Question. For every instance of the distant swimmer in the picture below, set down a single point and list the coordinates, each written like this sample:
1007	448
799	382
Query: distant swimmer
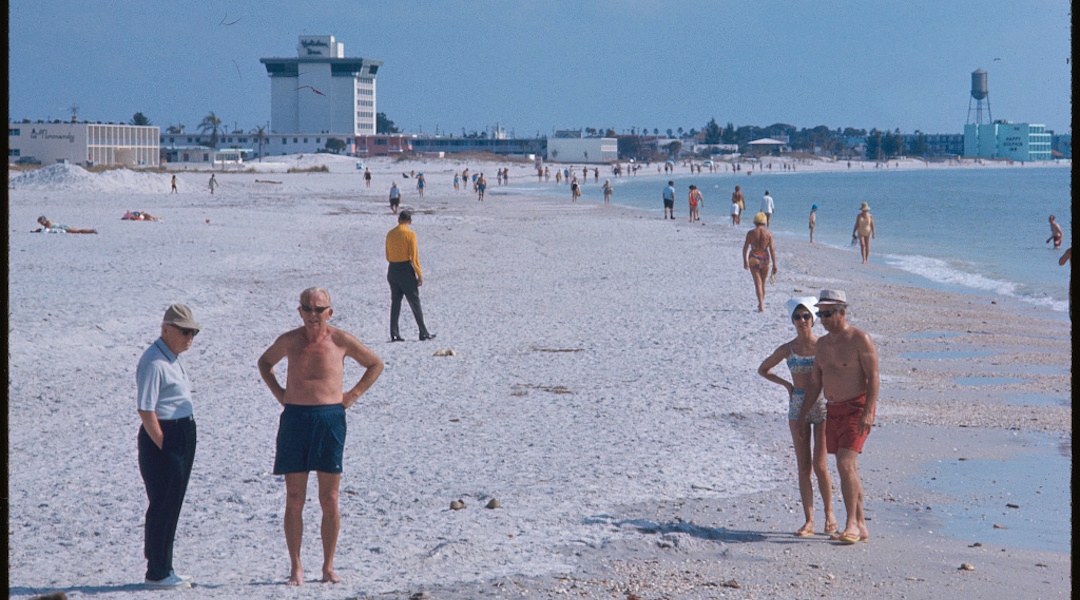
864	229
1055	233
757	252
607	191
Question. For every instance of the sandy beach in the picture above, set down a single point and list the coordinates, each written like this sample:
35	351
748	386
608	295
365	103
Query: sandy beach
603	388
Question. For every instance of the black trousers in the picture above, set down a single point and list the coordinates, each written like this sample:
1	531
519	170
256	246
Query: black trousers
402	279
165	471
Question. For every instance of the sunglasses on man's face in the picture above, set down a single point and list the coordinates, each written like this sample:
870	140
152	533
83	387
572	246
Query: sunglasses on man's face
828	313
184	331
316	309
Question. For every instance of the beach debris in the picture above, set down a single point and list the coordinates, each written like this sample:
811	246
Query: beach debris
730	583
967	567
455	420
494	503
420	596
1041	565
976	545
267	181
996	526
457	505
1012	506
444	352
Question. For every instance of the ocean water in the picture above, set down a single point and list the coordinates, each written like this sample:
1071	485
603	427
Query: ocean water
972	230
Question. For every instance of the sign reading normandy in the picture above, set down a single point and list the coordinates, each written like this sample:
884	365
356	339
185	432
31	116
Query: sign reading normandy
43	134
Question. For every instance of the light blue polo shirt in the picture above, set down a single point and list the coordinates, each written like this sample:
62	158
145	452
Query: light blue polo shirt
162	383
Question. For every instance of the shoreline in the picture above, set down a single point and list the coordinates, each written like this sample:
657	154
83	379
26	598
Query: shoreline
612	328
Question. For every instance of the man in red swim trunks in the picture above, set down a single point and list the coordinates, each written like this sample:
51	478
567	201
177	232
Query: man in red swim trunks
846	367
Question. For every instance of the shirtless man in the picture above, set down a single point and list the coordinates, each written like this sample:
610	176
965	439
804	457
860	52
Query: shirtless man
846	367
311	430
1055	233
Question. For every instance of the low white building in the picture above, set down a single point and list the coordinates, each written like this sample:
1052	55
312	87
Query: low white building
103	144
273	144
582	150
1002	139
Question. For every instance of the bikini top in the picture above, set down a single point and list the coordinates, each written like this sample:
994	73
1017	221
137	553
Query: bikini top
799	365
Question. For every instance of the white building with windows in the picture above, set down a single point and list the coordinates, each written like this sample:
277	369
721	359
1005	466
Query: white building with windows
83	143
1002	139
322	91
601	150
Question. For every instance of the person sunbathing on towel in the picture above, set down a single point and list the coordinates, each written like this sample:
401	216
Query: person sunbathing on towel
48	226
135	215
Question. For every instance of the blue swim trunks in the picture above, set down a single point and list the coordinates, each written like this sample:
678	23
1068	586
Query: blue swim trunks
310	438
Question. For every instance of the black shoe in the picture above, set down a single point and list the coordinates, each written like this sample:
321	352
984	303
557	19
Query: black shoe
397	338
429	336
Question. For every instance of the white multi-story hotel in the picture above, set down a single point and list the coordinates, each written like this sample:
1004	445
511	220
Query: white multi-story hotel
1002	139
321	91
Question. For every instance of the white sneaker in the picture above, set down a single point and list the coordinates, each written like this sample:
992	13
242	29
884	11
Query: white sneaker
172	582
187	578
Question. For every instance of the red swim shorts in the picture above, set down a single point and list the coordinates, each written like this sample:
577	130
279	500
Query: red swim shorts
842	425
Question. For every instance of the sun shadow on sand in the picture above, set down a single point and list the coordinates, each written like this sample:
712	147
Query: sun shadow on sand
84	589
718	534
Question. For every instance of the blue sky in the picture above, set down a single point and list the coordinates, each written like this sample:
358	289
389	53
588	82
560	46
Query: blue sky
537	66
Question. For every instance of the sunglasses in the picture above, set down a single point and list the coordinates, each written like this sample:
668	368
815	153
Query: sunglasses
802	317
316	309
829	313
186	332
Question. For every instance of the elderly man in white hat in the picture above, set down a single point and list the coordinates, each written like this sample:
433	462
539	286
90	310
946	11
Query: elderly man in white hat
846	369
166	441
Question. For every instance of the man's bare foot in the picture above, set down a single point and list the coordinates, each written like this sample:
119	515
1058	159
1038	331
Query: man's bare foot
330	577
296	577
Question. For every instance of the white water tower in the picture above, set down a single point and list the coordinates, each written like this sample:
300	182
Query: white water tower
980	98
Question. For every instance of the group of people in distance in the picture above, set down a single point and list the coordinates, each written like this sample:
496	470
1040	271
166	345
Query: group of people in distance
311	430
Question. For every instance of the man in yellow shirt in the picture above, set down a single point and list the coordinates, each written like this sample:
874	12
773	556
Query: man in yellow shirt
404	275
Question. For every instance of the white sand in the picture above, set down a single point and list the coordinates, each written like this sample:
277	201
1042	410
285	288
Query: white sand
604	361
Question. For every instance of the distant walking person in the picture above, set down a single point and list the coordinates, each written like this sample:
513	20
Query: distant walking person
669	200
213	183
757	252
1055	233
420	183
367	177
846	369
767	208
575	190
395	197
312	429
695	199
737	198
166	442
607	191
173	185
481	186
864	229
404	276
813	221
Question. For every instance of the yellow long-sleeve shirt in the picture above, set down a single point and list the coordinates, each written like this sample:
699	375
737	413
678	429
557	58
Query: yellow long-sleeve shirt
401	246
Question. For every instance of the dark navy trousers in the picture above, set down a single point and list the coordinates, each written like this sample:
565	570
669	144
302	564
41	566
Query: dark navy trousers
165	471
402	280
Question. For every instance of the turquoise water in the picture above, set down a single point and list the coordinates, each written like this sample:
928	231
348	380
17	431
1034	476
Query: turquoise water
963	230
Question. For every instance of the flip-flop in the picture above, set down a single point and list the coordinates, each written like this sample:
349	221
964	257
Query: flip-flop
804	532
846	539
831	527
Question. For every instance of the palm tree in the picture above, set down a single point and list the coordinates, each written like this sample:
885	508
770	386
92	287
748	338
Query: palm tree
260	134
211	123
